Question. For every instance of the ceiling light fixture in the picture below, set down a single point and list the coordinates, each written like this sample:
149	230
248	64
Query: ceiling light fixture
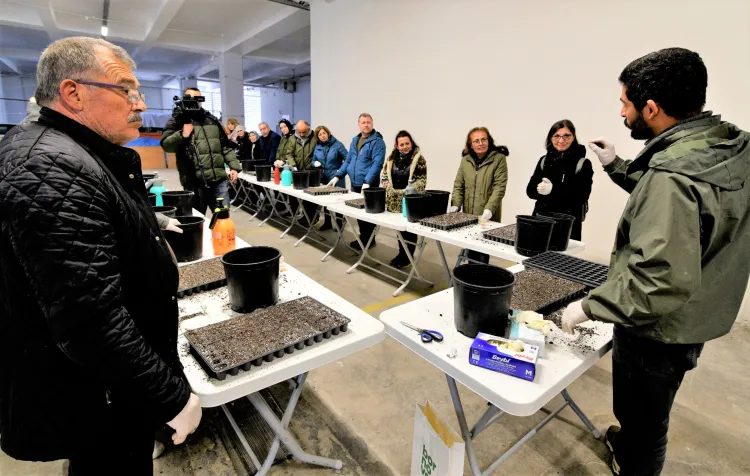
105	18
105	30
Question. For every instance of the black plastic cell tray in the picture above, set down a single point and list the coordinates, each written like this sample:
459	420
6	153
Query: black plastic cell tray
203	284
561	302
488	236
289	348
356	203
201	288
430	222
569	267
312	191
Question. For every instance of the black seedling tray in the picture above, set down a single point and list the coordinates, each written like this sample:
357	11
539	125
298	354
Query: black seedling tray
356	203
298	316
569	267
549	285
461	220
201	276
324	190
491	235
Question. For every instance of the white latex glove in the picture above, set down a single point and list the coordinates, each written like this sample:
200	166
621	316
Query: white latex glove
544	187
294	169
365	186
572	316
187	420
452	209
333	182
278	164
172	226
317	164
486	215
607	154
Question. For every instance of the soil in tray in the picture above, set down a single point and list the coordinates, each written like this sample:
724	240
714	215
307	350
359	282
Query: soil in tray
203	272
324	189
356	203
506	233
249	337
450	219
535	291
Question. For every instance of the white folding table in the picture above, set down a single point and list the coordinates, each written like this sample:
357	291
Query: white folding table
208	308
560	367
393	221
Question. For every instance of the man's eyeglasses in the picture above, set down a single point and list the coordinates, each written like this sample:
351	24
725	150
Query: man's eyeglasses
133	94
483	140
564	137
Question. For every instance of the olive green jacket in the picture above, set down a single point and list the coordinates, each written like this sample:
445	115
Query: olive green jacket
299	155
285	147
476	190
681	259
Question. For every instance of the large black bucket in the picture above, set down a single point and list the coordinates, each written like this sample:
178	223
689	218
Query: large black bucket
374	199
166	211
181	200
188	245
533	234
439	202
417	207
252	277
481	299
301	179
249	165
561	230
263	173
314	178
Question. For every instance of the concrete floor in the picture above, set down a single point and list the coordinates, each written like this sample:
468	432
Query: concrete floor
361	409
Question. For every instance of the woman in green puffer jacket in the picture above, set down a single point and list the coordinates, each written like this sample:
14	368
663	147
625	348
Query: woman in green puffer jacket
481	180
286	146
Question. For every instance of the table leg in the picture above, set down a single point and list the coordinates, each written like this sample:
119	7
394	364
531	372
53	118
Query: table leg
241	436
285	199
361	245
240	188
273	200
445	262
311	225
490	416
464	427
282	434
339	234
573	406
414	260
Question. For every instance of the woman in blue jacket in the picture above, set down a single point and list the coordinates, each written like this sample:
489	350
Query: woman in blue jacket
329	154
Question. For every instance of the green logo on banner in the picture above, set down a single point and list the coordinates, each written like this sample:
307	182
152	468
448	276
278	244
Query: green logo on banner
428	466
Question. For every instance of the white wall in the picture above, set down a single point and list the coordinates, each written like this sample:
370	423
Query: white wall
439	68
276	103
20	89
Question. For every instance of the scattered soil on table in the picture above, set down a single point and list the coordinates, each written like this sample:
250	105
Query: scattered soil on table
245	338
356	203
450	220
200	273
537	291
507	233
324	190
583	344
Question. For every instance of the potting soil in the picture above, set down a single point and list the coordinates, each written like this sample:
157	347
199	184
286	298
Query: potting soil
324	190
505	234
542	292
356	203
450	221
193	277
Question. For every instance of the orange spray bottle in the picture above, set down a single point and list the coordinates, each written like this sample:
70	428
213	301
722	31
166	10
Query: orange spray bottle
222	229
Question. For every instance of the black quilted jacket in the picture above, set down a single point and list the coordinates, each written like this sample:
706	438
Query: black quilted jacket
88	312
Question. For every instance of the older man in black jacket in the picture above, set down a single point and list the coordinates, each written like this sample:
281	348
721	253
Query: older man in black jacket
88	311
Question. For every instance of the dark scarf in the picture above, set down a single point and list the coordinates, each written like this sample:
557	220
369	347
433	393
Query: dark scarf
574	152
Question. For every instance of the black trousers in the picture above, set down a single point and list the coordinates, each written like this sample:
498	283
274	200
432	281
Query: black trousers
646	375
365	228
123	446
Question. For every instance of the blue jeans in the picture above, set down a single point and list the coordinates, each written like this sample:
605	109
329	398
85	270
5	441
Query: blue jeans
646	375
206	196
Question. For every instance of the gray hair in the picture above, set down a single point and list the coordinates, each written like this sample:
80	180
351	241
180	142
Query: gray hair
264	124
303	122
71	58
364	114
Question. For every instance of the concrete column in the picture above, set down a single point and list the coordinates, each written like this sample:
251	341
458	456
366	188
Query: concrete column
232	95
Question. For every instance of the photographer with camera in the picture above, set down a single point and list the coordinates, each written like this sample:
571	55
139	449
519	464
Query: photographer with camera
202	148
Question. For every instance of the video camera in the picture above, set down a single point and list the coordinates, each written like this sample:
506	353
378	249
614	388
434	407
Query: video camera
188	106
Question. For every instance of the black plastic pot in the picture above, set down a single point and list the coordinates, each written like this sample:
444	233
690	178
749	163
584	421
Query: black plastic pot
188	245
314	178
152	199
167	211
252	277
374	199
417	207
301	179
481	299
533	234
181	200
249	165
561	230
263	173
439	202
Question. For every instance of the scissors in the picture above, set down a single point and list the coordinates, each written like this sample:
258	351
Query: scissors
426	335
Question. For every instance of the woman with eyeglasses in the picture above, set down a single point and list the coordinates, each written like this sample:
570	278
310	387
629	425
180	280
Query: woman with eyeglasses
480	183
562	179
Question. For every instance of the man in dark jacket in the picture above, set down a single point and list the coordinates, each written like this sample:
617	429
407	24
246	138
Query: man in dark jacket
203	151
88	311
681	260
269	142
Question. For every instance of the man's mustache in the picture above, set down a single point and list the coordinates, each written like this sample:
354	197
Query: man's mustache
134	118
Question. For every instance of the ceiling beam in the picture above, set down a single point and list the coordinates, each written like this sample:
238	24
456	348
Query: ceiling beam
11	64
161	21
47	16
275	28
254	76
19	53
